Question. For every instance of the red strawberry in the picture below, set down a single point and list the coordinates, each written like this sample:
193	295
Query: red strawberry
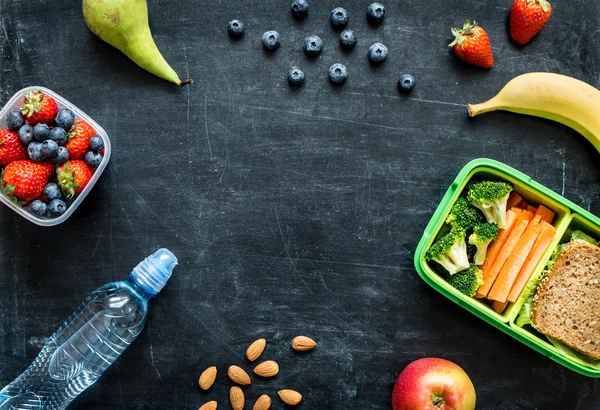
527	18
24	180
38	108
73	177
79	139
11	148
472	44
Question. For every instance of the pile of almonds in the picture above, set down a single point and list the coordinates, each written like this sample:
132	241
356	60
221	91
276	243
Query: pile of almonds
265	369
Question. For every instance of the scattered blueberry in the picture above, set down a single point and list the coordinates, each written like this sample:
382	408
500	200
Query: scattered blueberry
93	159
96	143
15	120
338	73
235	28
296	76
38	208
378	53
270	40
26	134
57	207
65	118
49	149
299	8
313	45
58	135
41	132
347	39
61	157
52	191
406	83
34	150
375	13
339	17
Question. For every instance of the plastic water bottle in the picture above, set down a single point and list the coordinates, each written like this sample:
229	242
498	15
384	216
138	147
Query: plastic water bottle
90	340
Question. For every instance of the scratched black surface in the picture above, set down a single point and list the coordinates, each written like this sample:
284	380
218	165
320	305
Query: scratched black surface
291	211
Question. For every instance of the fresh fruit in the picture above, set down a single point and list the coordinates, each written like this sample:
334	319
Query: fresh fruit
375	13
303	344
93	159
96	143
49	149
25	180
15	120
271	40
73	177
57	207
406	83
313	45
262	403
61	157
41	132
339	17
238	376
38	208
64	118
235	28
34	151
38	108
552	96
124	25
290	397
338	73
472	45
58	135
299	9
11	148
295	76
269	368
347	39
207	378
377	53
236	398
52	191
211	405
26	134
432	383
528	18
79	139
256	349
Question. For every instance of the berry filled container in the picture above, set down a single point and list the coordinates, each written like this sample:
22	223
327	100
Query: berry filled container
567	217
51	155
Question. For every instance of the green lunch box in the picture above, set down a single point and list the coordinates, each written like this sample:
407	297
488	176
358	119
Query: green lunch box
569	217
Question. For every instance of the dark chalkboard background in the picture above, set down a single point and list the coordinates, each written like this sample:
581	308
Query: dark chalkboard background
291	211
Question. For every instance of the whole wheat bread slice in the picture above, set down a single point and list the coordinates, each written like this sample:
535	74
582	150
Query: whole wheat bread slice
567	302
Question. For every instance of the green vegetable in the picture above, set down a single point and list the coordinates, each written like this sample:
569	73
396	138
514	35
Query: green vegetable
463	215
468	281
490	197
567	351
482	236
450	251
580	236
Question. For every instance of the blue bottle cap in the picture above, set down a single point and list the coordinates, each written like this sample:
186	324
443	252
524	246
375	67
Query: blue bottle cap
153	272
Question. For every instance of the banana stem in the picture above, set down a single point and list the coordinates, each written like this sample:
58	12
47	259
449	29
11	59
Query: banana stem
186	82
482	108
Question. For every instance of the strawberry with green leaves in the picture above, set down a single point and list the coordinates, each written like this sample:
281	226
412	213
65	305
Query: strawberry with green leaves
79	139
73	177
24	180
472	45
39	108
11	148
527	18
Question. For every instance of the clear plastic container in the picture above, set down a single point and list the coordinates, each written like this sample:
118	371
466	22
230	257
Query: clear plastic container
13	104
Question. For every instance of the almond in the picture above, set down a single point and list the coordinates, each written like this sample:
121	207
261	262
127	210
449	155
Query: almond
267	369
207	378
263	403
238	376
211	405
236	398
303	344
290	397
256	349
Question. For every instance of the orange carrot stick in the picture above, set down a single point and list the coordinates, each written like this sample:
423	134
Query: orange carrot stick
499	307
532	209
546	214
513	200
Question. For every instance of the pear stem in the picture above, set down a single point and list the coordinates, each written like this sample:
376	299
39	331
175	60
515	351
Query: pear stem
186	82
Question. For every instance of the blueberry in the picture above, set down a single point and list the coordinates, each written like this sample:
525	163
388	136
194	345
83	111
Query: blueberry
15	120
41	132
93	159
96	143
378	53
375	13
52	191
295	76
299	9
406	83
235	28
65	118
58	135
347	39
338	73
25	134
339	17
34	150
57	207
313	45
61	157
38	208
270	40
49	149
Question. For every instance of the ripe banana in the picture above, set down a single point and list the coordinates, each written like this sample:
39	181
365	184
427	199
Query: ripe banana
552	96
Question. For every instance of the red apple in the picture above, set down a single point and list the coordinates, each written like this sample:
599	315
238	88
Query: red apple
433	384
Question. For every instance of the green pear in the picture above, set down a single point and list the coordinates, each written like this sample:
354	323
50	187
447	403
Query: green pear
124	24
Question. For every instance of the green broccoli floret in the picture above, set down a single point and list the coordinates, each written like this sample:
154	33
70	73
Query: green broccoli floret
490	197
450	251
463	215
471	250
482	236
468	281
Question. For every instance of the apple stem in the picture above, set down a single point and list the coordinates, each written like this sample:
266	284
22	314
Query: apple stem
438	401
